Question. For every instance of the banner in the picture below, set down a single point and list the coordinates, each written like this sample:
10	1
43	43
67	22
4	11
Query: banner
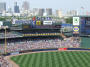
38	22
34	18
14	53
62	49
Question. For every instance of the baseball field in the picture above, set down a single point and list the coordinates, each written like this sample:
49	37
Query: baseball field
54	59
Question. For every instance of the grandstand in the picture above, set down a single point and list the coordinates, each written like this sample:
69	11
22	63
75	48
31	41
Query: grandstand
32	36
22	32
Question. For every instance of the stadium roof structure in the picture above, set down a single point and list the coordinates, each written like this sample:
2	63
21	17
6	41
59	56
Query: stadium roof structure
82	16
10	35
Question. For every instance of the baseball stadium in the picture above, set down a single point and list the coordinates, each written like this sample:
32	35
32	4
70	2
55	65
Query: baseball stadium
45	43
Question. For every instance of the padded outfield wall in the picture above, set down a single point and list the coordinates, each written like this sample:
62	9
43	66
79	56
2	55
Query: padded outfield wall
85	42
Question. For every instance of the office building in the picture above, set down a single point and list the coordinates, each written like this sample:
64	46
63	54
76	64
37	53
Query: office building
72	13
16	8
41	12
35	11
25	5
2	7
49	11
59	13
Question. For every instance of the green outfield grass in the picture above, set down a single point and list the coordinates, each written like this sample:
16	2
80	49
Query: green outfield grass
54	59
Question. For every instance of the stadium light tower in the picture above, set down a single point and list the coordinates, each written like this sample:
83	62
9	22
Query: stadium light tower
5	42
5	28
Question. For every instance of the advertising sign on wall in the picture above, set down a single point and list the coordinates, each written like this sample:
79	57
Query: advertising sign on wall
76	20
75	29
47	22
38	22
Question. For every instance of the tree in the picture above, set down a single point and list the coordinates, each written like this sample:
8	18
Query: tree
69	20
2	19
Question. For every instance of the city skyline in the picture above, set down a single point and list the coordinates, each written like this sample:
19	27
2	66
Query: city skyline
56	4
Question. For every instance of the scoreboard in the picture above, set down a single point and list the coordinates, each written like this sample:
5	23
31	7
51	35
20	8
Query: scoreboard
85	25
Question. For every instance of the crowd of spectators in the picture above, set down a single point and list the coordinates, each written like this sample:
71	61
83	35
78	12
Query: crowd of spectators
28	44
4	62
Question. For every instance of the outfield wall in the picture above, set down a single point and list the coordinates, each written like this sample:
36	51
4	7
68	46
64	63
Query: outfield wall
53	49
85	42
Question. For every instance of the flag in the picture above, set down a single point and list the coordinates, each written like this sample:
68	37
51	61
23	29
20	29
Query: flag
34	18
82	7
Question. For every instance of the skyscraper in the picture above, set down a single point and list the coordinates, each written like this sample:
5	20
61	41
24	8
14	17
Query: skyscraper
72	13
25	5
41	12
59	13
2	7
9	9
16	8
49	11
35	11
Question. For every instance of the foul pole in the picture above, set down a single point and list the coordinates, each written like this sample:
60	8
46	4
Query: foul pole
5	42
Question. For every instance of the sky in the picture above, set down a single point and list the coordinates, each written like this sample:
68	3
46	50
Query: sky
64	5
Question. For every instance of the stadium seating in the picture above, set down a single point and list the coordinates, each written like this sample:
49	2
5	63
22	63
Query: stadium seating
28	44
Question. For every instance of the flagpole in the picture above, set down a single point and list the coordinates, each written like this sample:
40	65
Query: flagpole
82	12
